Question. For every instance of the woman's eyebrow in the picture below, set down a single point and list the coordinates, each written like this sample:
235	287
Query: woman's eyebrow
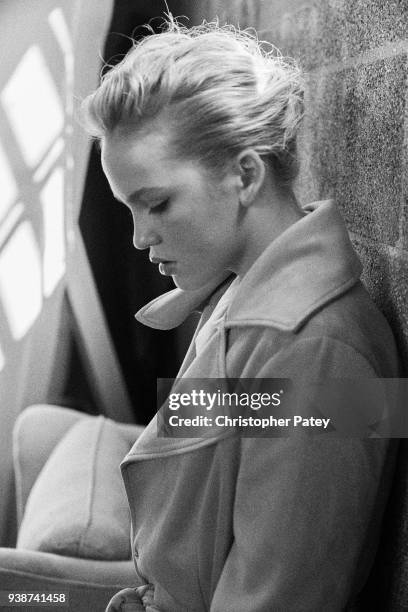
143	192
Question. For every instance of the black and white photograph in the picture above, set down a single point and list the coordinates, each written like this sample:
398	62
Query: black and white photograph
204	305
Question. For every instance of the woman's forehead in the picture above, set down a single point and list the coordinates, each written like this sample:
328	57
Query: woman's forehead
132	139
133	160
127	151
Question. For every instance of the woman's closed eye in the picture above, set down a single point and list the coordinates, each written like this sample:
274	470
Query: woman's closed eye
159	207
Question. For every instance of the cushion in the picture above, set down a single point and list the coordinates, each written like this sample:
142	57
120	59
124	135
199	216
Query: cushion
77	506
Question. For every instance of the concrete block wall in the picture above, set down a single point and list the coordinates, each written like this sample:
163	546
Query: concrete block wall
354	141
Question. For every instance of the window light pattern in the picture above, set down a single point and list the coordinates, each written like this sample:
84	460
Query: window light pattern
33	106
52	201
20	280
8	184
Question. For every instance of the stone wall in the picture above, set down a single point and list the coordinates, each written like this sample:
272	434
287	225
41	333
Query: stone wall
354	138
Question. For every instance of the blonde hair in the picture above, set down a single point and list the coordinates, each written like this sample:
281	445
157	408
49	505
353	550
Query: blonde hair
225	91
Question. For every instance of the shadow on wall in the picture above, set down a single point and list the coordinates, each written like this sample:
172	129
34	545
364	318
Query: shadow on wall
32	229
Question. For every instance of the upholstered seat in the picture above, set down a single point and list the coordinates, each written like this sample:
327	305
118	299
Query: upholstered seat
42	435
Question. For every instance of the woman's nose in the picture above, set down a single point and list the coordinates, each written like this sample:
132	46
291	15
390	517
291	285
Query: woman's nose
144	234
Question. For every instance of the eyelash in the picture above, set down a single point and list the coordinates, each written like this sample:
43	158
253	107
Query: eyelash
158	208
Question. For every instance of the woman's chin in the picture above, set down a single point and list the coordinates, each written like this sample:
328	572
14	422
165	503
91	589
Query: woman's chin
195	282
189	283
185	283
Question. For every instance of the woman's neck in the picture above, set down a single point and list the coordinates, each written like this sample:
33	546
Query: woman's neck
267	218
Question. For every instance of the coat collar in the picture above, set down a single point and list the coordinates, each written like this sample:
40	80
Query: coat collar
308	265
172	308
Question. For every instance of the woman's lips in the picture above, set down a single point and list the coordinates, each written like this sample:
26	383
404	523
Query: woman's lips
167	268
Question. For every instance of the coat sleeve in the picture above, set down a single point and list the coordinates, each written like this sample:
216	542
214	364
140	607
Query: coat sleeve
307	509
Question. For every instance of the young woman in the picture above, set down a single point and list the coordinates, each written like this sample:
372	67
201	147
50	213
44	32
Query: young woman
198	136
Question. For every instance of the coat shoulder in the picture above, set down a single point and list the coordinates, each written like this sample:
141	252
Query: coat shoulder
348	330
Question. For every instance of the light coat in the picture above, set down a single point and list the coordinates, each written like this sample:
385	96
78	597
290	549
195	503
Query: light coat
233	524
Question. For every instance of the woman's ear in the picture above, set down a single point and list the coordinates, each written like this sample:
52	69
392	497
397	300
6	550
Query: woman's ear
251	169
